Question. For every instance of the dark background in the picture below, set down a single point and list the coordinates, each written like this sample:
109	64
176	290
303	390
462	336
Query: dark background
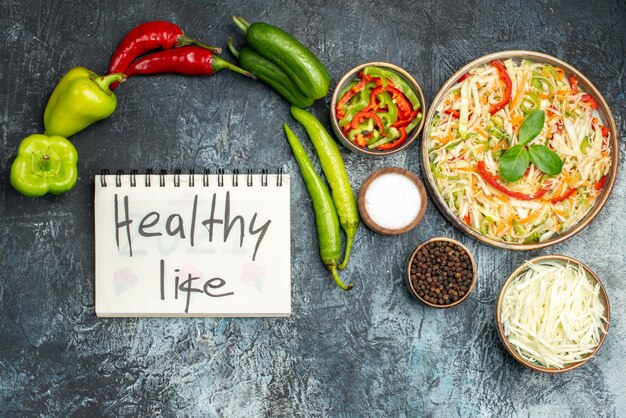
371	352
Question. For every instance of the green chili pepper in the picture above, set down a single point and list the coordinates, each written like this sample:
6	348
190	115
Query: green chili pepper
44	164
300	64
326	218
80	99
271	74
398	81
335	172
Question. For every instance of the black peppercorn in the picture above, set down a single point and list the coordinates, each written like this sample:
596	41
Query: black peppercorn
441	272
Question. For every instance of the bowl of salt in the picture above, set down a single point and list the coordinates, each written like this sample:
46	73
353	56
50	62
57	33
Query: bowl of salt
392	201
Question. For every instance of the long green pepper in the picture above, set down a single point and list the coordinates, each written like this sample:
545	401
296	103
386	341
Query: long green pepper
335	172
326	218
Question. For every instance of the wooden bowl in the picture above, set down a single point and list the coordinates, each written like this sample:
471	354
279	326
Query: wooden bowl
472	284
371	223
603	296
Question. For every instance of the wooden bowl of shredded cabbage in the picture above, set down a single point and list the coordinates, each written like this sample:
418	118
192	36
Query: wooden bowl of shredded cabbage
553	314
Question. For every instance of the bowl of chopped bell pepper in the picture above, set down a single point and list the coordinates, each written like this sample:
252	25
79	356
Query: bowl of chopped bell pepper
377	109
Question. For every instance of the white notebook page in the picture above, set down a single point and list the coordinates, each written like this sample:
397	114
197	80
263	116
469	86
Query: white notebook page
201	250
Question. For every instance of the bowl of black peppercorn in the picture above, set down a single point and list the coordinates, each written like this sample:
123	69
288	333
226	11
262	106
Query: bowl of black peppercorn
441	273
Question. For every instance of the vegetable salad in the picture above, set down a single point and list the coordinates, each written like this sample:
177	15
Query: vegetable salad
479	119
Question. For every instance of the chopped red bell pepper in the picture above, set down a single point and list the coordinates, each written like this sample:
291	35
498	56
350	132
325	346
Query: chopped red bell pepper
454	113
589	101
404	106
564	196
467	219
605	131
365	114
573	83
506	80
493	181
600	184
463	77
406	122
396	143
373	105
350	94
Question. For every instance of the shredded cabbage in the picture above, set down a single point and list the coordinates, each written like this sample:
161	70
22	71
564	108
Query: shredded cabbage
464	132
552	314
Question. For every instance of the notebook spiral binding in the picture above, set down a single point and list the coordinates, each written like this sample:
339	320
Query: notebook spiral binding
178	173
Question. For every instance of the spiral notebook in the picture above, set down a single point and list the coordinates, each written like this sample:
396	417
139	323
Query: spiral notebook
211	244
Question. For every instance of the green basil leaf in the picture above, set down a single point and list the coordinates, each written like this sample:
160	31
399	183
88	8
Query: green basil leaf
531	126
514	163
545	159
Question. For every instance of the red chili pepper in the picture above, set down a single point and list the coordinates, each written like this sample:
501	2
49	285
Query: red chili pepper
350	94
366	114
493	181
187	60
573	83
600	184
605	131
454	113
467	219
564	196
504	77
589	101
396	143
148	37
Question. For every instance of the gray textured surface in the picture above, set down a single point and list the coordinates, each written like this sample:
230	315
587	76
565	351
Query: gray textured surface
371	352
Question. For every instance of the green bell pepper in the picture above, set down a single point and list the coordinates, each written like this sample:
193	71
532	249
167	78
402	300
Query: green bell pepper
44	164
81	98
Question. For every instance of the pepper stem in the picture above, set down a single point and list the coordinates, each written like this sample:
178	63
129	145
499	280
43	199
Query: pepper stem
219	63
106	80
184	40
232	48
45	164
337	279
346	255
242	23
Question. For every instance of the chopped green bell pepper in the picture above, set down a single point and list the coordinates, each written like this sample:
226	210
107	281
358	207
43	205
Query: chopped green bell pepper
44	164
397	81
81	98
391	115
357	103
530	103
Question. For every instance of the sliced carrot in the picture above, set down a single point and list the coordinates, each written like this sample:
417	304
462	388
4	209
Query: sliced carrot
533	215
482	133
